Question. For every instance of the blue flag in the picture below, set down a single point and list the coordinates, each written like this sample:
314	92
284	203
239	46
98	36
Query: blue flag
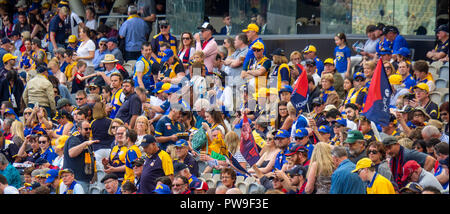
376	108
300	95
249	149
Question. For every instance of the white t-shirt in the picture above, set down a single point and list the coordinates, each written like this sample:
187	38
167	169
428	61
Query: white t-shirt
10	190
78	189
91	24
84	49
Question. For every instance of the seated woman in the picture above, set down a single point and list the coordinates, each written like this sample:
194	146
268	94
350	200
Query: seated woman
65	124
267	156
329	95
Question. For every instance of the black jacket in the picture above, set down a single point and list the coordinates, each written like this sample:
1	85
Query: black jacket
17	90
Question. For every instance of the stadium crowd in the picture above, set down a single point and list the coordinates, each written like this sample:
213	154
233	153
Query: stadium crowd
87	109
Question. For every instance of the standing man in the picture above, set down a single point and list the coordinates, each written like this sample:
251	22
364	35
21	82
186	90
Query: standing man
40	90
135	31
57	29
157	164
79	155
117	97
209	45
147	10
132	107
377	184
146	68
163	37
343	181
253	37
310	52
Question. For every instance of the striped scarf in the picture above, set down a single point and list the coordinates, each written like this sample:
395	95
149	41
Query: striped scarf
326	92
396	165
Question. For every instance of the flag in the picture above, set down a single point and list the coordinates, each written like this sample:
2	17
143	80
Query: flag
248	147
300	95
376	108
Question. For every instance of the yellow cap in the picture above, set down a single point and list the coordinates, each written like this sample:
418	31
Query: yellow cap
72	39
8	57
166	86
422	86
252	27
362	164
329	60
395	79
258	45
61	141
310	48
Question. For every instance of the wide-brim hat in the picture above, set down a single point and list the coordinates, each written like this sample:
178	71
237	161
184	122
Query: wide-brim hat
109	58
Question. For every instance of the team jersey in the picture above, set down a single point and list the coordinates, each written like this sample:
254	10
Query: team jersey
132	154
380	185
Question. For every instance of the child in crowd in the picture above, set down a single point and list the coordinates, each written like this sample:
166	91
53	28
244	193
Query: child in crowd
342	55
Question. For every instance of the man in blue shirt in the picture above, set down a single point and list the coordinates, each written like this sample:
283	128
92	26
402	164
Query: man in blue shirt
252	35
134	30
343	181
282	142
57	30
168	126
100	54
310	52
393	35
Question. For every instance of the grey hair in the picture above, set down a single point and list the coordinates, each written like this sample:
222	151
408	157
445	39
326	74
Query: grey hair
431	131
339	152
132	10
3	159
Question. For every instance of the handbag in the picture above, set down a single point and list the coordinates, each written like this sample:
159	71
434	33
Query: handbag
199	139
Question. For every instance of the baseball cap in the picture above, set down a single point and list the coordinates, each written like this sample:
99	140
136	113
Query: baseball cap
389	28
258	45
341	121
325	129
162	189
138	162
278	52
5	40
310	62
296	148
109	176
103	39
404	51
181	143
385	49
8	57
309	48
297	170
301	132
443	27
52	174
281	133
286	88
329	61
163	22
62	102
316	102
66	170
113	39
10	111
199	185
362	164
61	141
177	167
62	113
412	186
73	38
147	140
359	74
444	162
166	55
40	161
395	79
206	26
252	27
422	86
409	168
389	140
353	136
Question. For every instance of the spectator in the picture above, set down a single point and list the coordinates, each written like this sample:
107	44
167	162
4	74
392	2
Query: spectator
329	94
171	69
133	153
132	107
228	177
413	172
378	184
423	100
235	61
128	188
158	163
86	50
209	45
227	29
343	181
9	62
310	52
9	172
11	89
338	83
282	143
252	31
342	55
320	170
186	49
112	185
146	68
311	70
430	131
138	165
91	21
420	68
69	185
183	156
113	48
180	185
164	37
443	112
392	34
100	53
147	11
377	154
167	127
134	30
40	90
400	155
441	49
5	188
257	67
57	30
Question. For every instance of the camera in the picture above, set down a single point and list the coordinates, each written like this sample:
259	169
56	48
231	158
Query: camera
183	135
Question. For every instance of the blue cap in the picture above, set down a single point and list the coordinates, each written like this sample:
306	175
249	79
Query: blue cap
301	122
385	49
113	39
359	74
403	51
301	132
52	174
103	39
341	121
147	140
172	89
287	88
166	55
325	129
11	111
162	189
281	133
158	87
181	143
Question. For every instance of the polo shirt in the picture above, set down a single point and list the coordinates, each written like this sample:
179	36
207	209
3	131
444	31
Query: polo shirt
155	166
166	127
131	106
134	30
250	55
280	159
57	25
409	82
343	181
49	154
380	185
428	179
319	66
191	163
132	154
442	46
100	132
399	42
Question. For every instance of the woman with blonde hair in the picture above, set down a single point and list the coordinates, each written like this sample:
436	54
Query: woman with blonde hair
100	132
59	149
267	155
320	170
142	128
17	129
389	68
329	94
55	68
116	122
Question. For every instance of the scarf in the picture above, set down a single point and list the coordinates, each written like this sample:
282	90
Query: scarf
69	190
396	165
326	92
185	58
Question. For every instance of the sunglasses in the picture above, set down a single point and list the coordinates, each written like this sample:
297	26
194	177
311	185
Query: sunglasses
359	171
257	50
80	98
114	127
42	142
359	80
187	38
30	113
372	152
163	26
87	129
270	138
444	113
178	185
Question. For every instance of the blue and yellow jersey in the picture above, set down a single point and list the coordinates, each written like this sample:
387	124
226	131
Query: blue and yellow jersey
409	82
35	55
255	65
132	154
60	129
160	39
279	74
280	159
49	154
441	46
352	95
166	127
26	61
380	185
171	71
155	166
69	70
117	158
117	100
